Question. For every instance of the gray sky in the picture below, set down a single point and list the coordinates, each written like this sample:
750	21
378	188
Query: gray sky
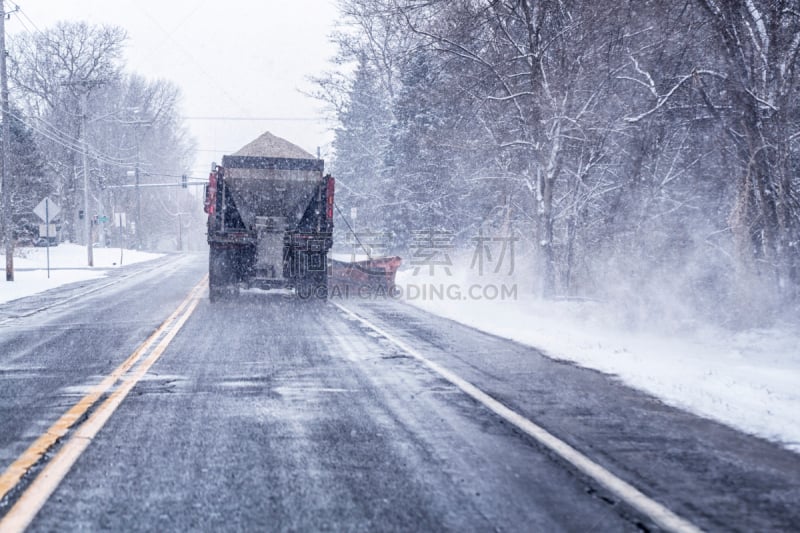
237	58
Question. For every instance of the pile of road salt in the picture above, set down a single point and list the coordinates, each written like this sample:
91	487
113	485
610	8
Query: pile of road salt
269	145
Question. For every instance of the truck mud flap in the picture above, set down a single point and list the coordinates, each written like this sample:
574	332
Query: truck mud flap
222	278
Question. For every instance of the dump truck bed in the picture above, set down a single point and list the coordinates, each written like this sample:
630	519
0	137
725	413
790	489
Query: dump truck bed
272	187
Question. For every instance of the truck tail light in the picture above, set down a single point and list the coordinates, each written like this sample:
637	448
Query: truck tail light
329	191
210	203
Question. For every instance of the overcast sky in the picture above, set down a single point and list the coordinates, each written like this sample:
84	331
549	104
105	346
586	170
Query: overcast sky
233	58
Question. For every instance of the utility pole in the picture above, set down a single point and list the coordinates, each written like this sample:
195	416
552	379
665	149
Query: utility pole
5	177
87	220
137	176
87	86
138	198
136	173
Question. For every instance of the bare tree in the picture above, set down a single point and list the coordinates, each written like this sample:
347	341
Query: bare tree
131	123
607	132
50	71
760	45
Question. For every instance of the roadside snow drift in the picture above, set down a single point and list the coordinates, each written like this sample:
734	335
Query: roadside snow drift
68	263
748	379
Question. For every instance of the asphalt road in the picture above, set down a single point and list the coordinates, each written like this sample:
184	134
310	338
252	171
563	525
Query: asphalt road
268	413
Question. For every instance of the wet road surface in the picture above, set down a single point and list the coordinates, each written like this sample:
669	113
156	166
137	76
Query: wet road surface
268	413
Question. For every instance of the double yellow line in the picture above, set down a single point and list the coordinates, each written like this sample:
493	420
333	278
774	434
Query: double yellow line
46	482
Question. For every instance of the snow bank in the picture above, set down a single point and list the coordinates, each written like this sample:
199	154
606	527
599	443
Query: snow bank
747	379
67	264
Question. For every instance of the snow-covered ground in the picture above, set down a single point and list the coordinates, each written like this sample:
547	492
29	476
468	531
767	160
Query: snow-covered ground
68	263
746	379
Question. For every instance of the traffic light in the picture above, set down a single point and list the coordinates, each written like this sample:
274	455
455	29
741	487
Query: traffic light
80	214
184	184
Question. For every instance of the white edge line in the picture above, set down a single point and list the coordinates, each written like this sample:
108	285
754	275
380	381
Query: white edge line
658	513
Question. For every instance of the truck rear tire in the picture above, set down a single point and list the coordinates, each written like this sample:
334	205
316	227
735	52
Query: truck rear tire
315	286
312	288
321	286
221	274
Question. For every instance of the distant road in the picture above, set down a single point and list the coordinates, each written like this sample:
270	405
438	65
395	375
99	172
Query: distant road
141	406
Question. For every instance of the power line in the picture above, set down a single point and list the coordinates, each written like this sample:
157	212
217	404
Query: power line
276	119
201	66
24	25
24	14
102	158
65	141
70	143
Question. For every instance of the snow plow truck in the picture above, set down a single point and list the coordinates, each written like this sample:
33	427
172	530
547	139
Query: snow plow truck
270	220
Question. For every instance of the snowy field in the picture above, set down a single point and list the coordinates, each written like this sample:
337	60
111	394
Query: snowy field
68	263
746	379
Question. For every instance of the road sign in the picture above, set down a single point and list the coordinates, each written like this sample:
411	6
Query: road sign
51	231
120	220
102	219
47	210
47	207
